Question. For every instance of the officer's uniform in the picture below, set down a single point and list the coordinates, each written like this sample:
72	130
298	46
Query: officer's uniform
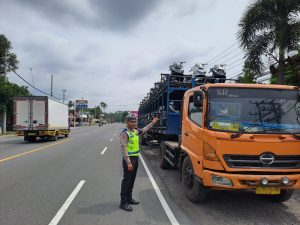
129	140
133	149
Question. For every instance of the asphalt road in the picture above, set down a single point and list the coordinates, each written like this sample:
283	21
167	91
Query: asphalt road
76	181
37	179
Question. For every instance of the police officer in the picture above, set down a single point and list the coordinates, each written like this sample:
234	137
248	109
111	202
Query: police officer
129	140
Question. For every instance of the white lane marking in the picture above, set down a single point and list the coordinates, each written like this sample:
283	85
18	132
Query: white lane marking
161	198
104	150
67	203
111	139
114	135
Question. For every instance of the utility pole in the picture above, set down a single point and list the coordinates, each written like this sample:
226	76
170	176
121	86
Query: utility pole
74	123
51	85
31	76
64	95
4	110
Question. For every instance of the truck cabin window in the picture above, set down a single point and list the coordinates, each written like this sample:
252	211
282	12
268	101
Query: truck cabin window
195	113
253	110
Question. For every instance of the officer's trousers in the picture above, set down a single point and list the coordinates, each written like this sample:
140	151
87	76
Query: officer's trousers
128	179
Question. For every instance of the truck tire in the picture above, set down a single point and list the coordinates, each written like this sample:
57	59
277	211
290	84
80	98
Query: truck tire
30	139
66	135
193	188
143	140
163	163
55	138
282	197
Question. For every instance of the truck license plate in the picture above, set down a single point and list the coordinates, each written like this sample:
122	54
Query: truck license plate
30	134
268	191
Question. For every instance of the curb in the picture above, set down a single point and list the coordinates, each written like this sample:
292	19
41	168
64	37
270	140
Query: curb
7	135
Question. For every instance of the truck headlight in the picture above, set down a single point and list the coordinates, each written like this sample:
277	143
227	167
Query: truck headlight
264	181
285	180
221	180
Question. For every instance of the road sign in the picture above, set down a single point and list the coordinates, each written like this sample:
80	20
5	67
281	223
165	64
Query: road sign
81	104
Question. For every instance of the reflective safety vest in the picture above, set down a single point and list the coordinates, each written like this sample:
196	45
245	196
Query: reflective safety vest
133	146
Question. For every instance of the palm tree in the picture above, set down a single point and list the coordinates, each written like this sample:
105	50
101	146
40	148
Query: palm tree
272	28
103	105
70	104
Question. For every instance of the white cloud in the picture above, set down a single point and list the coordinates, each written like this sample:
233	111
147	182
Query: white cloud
114	56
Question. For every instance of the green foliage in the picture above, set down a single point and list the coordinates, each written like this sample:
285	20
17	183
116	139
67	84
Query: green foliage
5	52
9	90
292	71
248	74
267	27
70	104
125	113
103	105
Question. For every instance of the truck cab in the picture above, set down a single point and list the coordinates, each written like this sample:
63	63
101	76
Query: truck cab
240	136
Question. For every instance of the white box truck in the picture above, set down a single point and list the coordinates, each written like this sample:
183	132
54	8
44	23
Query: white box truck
40	116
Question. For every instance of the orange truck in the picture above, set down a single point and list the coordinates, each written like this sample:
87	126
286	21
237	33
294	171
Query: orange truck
237	137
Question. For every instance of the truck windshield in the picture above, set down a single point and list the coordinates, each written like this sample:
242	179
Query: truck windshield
253	110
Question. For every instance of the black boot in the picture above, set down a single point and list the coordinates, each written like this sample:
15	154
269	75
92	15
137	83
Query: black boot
126	207
133	202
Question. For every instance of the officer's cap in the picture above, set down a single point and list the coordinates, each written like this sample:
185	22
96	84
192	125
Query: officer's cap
130	118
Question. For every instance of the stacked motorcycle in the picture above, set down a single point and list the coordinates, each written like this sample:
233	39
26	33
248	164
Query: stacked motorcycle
218	73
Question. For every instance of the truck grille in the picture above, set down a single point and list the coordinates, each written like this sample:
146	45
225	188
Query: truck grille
253	161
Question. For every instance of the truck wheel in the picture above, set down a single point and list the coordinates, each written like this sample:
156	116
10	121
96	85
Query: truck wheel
30	139
282	197
163	163
143	141
193	189
66	135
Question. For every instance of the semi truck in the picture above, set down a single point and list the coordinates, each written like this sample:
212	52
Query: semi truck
40	117
226	135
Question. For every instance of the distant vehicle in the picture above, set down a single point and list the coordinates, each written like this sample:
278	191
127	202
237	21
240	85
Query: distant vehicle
40	116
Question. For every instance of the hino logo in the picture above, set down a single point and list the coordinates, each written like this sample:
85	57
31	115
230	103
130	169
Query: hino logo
267	158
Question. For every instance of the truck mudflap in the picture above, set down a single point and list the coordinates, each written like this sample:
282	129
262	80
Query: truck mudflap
216	180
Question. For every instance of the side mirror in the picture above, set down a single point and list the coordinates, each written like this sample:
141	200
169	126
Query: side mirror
198	98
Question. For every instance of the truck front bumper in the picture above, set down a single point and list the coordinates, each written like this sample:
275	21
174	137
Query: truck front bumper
219	180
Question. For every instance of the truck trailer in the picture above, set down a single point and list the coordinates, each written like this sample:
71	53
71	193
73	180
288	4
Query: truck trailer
226	135
40	116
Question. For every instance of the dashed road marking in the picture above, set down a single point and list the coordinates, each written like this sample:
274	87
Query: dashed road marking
104	150
111	139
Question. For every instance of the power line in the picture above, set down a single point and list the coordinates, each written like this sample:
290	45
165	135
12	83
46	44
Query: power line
39	90
235	66
230	52
217	56
228	60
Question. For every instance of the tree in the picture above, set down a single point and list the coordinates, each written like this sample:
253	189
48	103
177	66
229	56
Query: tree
6	56
70	104
125	113
269	27
292	71
103	105
248	74
9	90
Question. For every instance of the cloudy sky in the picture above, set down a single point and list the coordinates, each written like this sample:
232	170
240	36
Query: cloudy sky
114	50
